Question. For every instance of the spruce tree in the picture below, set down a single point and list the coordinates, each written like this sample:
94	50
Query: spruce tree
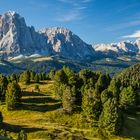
91	104
32	75
68	99
25	77
51	74
13	96
103	82
1	117
36	78
3	86
110	118
128	98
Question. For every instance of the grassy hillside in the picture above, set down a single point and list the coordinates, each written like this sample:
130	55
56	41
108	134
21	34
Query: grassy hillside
41	117
45	64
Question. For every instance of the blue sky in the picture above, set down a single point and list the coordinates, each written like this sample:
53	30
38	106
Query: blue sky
95	21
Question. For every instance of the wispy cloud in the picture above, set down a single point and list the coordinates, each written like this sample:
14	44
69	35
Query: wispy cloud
76	11
69	17
128	7
123	25
86	1
136	34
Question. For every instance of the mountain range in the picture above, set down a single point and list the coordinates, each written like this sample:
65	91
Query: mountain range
18	40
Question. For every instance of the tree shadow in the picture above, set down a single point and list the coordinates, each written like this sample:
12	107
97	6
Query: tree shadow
39	108
41	82
41	100
18	128
131	126
26	93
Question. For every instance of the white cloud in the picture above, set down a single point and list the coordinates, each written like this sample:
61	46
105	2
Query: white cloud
69	17
134	35
123	25
76	12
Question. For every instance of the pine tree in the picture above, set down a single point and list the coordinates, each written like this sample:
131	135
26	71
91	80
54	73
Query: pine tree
110	118
25	77
114	87
128	98
68	99
1	117
32	75
36	78
103	82
13	96
14	77
91	104
3	86
105	95
51	74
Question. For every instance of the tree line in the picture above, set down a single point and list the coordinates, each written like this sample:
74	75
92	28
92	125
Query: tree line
100	97
94	94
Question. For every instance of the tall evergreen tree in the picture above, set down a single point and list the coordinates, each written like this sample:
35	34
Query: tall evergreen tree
1	117
128	98
13	96
25	77
32	75
51	74
36	78
68	99
91	104
110	118
103	82
3	86
114	87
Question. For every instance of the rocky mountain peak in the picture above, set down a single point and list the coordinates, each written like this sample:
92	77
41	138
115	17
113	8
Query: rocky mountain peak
16	38
123	47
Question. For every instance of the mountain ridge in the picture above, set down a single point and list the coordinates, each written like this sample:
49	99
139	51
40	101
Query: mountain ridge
18	39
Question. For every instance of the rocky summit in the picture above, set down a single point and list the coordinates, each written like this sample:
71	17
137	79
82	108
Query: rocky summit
18	39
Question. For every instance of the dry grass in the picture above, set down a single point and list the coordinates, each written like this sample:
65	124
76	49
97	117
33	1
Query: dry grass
41	59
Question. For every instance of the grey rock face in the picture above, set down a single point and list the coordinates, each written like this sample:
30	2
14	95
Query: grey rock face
67	44
16	38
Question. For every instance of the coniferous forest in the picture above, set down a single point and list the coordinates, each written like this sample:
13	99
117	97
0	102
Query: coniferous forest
64	104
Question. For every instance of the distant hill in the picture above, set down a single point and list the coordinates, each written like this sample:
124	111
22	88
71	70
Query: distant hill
112	66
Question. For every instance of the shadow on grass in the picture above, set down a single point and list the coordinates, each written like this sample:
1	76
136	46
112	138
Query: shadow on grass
39	100
32	94
18	128
41	82
131	126
39	108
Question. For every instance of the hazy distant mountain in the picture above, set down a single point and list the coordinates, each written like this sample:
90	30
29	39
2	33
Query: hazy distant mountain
118	49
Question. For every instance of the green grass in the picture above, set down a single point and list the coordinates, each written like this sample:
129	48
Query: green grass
40	116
